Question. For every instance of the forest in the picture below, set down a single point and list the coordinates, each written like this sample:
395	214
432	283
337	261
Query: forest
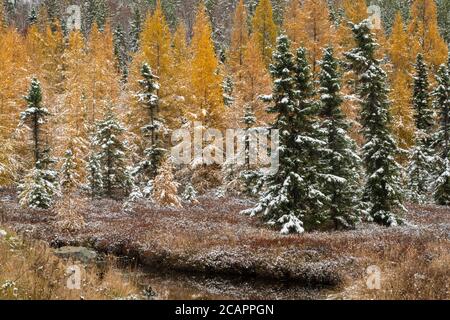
348	101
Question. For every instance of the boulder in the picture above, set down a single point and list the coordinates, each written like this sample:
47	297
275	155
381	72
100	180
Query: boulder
81	254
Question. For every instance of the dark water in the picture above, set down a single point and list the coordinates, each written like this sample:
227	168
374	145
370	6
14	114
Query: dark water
179	286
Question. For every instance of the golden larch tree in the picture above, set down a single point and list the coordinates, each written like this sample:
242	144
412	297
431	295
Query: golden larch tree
239	39
424	31
265	29
13	83
316	30
402	61
206	81
102	77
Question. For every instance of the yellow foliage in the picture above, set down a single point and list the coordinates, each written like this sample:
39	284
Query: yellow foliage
13	62
312	29
401	94
424	32
206	81
239	38
265	29
254	81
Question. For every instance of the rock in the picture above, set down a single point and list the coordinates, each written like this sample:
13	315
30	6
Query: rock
81	254
3	233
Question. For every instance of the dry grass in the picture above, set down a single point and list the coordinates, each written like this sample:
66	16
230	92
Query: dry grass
212	237
29	270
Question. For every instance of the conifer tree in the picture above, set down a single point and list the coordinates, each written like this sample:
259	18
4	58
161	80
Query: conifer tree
341	162
68	174
206	82
39	186
265	29
292	194
165	188
383	190
424	31
401	110
442	137
94	174
121	51
154	127
421	158
135	30
112	154
239	38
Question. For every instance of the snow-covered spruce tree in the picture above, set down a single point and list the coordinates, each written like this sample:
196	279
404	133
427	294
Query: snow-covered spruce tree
121	51
421	158
94	174
150	100
39	185
342	165
442	138
190	194
112	155
383	189
165	188
228	89
310	145
135	30
290	194
69	178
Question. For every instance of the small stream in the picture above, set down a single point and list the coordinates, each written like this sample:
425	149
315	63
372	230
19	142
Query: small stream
181	286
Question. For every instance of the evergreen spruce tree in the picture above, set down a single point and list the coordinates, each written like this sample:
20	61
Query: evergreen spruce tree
442	137
153	130
250	176
112	155
421	158
33	16
341	163
383	190
135	30
94	174
121	51
68	174
292	194
228	88
39	186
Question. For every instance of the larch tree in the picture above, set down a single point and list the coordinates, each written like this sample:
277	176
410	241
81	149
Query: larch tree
265	29
206	82
38	187
165	188
101	75
342	165
383	188
421	158
315	30
253	82
424	32
239	39
401	111
442	137
13	58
